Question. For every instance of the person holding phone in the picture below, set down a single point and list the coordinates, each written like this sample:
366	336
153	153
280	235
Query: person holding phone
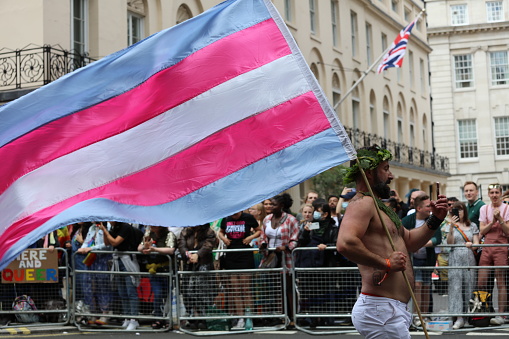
461	282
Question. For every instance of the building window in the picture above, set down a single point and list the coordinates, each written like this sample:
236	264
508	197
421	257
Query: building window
289	10
494	11
467	138
502	135
384	42
334	20
411	68
336	91
314	70
134	28
79	26
459	15
463	72
354	32
421	75
369	43
499	68
356	108
183	14
312	15
387	120
394	5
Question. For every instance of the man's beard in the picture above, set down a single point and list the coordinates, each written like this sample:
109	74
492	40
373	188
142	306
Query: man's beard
381	189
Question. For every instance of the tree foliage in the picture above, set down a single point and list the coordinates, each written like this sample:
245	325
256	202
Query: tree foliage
329	182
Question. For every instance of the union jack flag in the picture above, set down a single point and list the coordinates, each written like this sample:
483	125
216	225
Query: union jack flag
394	57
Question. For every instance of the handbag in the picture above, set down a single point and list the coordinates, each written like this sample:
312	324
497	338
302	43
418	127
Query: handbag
477	254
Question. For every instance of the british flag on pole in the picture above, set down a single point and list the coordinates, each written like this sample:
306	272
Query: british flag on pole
396	53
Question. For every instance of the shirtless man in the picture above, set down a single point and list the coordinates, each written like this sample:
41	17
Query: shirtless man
381	309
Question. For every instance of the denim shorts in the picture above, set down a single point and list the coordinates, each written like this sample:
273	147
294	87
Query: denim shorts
423	276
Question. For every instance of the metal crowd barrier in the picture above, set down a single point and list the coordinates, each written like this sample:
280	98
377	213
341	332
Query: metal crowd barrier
98	305
323	296
259	288
50	299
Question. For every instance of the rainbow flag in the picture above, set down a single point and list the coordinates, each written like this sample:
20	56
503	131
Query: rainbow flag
192	124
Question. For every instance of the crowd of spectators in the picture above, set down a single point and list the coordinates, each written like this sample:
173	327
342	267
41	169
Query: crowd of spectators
274	231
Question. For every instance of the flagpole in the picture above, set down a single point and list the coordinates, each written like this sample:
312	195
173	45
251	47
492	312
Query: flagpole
366	72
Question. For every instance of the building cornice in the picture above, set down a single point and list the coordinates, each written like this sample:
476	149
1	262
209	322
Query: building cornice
469	29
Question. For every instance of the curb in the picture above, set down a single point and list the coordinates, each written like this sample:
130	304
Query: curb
38	330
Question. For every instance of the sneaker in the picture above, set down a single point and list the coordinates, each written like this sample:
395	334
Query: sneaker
459	323
417	322
240	325
133	324
102	321
498	320
126	323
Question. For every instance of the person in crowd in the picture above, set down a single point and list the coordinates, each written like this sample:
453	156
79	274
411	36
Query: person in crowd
381	309
424	256
461	282
494	219
344	199
306	211
415	193
442	252
258	212
474	203
280	231
195	245
123	237
159	244
237	231
76	259
308	199
325	235
333	200
401	207
96	292
267	206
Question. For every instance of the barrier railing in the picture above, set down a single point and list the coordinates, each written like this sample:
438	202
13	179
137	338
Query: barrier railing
47	291
107	299
212	309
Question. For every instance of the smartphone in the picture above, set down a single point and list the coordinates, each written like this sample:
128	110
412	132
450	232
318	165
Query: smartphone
393	193
314	226
455	212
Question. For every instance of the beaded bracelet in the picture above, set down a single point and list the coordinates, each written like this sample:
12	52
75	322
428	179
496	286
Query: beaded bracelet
434	222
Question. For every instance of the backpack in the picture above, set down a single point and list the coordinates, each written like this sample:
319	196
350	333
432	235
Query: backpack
480	303
25	303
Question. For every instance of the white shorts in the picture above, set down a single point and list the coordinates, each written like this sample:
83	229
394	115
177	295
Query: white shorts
381	318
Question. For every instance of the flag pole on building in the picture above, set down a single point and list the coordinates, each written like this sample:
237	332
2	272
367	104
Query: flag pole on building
392	56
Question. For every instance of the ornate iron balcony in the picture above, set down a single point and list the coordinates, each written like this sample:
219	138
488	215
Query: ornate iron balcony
405	155
37	66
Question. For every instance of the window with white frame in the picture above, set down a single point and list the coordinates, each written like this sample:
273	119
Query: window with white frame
354	32
369	43
334	22
394	5
289	10
411	68
421	75
463	71
336	90
459	15
384	42
467	131
79	26
494	11
502	135
387	120
499	68
134	28
407	14
312	16
356	108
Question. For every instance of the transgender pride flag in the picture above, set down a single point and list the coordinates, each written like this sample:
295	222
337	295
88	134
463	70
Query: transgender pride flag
190	125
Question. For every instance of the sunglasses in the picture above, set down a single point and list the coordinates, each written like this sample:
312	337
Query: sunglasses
505	202
493	186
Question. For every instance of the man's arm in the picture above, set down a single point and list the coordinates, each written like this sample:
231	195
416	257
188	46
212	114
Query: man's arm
353	228
419	237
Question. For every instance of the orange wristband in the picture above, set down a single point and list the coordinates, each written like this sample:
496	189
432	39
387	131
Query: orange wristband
388	262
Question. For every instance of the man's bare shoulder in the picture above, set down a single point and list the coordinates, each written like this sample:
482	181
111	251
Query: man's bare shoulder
360	208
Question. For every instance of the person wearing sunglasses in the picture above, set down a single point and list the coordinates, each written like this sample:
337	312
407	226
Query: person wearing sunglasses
494	220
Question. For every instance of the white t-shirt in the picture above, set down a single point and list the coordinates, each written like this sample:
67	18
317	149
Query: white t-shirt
421	253
274	236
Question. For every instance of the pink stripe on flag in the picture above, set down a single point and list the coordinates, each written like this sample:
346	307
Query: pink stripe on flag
243	143
219	62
